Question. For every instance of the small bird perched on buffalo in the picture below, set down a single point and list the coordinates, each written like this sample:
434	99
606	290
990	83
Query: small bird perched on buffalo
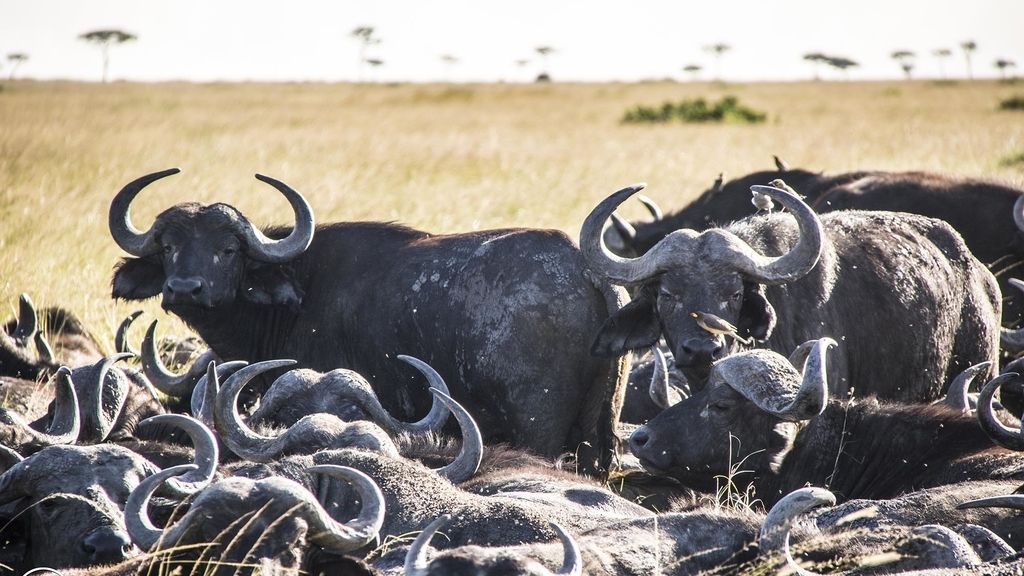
717	326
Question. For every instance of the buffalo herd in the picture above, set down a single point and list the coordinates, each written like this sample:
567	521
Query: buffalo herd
774	378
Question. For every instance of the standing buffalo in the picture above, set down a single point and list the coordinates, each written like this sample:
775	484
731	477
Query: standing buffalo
503	315
871	279
989	215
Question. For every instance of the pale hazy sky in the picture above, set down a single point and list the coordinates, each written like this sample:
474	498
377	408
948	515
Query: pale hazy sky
595	40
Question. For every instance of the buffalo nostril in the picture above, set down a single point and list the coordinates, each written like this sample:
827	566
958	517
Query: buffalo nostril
185	286
639	438
107	545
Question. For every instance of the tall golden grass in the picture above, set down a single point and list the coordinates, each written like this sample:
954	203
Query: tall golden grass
440	157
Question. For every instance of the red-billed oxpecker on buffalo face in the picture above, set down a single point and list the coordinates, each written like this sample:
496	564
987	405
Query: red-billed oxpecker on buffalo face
505	316
911	304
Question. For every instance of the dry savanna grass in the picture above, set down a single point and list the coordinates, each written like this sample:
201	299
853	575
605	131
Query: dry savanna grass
440	157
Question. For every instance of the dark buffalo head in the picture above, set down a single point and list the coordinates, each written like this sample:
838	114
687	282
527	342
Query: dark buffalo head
714	272
206	256
71	498
746	413
251	521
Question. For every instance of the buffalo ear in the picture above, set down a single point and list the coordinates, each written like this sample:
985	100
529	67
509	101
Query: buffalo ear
137	279
271	285
757	317
633	327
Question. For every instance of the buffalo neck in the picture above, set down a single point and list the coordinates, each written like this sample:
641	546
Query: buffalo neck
242	330
870	450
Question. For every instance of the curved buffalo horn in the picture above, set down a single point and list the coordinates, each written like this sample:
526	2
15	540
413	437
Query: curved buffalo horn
363	396
774	386
66	422
603	261
261	248
467	462
658	388
438	413
204	446
163	379
416	563
780	519
652	207
121	343
130	239
340	538
101	422
799	355
780	164
43	348
204	396
1010	339
957	395
1014	501
240	438
1018	212
1000	433
136	509
676	249
623	228
800	259
27	324
572	564
813	394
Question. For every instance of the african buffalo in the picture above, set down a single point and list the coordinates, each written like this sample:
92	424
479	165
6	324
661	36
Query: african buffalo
112	401
504	315
988	214
700	542
790	433
782	279
279	516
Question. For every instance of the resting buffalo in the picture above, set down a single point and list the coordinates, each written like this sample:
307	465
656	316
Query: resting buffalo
867	278
503	315
281	516
789	433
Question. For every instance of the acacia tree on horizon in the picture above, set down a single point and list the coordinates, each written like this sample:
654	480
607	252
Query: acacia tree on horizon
1003	65
815	58
364	35
693	70
104	39
941	54
969	46
544	52
717	50
842	64
16	59
905	58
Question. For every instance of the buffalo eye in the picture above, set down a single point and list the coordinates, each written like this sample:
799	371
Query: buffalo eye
736	297
168	249
721	406
229	251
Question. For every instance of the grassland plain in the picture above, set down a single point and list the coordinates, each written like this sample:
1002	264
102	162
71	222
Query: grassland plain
443	158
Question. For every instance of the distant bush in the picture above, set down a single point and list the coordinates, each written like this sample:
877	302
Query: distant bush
1014	103
728	109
